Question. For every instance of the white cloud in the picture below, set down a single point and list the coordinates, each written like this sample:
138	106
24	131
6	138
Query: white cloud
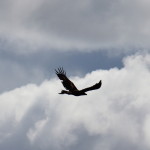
64	24
114	117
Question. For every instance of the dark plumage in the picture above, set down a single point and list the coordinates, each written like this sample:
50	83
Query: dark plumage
70	87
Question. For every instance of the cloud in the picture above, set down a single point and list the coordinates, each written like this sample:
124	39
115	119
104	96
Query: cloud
74	25
112	118
18	70
15	73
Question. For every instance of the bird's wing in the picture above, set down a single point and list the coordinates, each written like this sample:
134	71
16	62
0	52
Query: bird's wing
94	87
65	81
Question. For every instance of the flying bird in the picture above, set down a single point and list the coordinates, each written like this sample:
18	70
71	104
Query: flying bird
70	87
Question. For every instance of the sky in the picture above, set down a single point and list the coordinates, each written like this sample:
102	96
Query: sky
93	40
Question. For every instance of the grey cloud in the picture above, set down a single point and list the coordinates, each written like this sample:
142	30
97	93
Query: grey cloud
69	25
18	70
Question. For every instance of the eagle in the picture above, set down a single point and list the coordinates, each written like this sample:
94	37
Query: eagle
70	87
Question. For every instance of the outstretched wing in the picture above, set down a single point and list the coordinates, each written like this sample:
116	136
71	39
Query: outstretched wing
94	87
65	81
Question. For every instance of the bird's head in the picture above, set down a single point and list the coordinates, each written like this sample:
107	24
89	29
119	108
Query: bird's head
63	92
84	93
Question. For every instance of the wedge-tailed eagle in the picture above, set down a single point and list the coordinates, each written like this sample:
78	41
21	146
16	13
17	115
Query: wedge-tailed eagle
70	87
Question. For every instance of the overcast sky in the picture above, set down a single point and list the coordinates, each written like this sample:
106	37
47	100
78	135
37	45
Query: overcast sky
93	40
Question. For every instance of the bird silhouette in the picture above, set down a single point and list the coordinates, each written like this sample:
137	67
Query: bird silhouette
70	87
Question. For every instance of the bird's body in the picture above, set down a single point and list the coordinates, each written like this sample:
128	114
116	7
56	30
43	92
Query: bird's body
75	93
72	89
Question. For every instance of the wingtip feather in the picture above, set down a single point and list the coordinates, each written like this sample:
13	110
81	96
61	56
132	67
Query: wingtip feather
60	70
